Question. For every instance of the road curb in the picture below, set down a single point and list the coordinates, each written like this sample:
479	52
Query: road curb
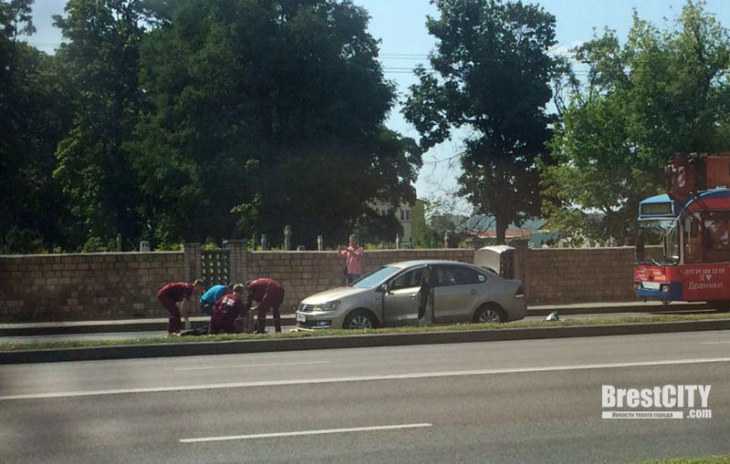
108	327
81	327
638	308
353	341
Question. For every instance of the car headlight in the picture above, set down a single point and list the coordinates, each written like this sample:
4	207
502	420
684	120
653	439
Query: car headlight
330	306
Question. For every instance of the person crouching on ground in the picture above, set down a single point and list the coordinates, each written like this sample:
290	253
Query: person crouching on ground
173	293
227	309
268	293
209	298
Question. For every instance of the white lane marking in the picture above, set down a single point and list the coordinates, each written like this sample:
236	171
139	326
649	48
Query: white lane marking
301	433
310	363
715	343
366	378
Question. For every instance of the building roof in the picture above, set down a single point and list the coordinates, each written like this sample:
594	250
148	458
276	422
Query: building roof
510	233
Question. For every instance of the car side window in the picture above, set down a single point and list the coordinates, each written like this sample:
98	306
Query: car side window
454	275
464	276
444	276
407	279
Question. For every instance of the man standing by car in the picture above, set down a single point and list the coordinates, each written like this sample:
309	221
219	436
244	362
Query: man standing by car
425	297
170	295
268	293
353	260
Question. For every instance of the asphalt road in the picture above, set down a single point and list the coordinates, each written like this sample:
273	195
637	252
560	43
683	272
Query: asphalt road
520	401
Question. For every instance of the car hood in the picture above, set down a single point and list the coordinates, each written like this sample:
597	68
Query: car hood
334	294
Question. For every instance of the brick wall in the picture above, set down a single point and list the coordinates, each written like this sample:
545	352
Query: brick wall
563	275
123	285
85	286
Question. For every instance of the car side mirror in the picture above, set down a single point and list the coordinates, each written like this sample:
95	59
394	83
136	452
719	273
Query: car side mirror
383	288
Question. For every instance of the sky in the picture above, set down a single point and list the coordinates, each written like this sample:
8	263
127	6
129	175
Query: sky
400	25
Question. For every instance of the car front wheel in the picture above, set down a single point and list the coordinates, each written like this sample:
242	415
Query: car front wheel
360	319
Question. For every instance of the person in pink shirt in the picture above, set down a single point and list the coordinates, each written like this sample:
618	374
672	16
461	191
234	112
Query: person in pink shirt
353	261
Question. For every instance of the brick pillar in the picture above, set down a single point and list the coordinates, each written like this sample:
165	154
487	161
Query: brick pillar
245	260
521	250
522	268
192	270
238	260
192	261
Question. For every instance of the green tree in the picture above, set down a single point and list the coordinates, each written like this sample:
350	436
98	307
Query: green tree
664	91
422	234
33	117
277	103
95	167
494	74
376	228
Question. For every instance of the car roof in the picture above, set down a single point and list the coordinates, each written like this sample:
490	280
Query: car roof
423	262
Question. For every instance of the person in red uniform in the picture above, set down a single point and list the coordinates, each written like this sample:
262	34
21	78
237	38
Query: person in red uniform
268	293
227	309
173	293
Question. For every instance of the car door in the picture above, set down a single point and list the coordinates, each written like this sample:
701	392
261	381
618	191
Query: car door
400	301
457	292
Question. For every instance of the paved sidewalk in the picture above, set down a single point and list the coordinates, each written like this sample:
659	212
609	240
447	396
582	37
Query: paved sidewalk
122	325
160	324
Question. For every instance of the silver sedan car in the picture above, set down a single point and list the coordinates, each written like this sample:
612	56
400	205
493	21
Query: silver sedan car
389	297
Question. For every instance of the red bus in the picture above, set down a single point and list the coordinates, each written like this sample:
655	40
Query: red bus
691	226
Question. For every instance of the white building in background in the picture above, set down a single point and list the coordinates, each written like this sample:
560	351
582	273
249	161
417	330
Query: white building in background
402	214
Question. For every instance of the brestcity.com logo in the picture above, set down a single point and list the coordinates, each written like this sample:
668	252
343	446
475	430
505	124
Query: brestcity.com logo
656	402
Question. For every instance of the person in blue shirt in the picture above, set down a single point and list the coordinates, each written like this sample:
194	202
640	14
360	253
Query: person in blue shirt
213	294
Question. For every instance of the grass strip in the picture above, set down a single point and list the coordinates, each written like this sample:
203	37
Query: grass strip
597	321
704	460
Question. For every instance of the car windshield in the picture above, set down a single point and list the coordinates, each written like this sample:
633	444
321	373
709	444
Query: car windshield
376	278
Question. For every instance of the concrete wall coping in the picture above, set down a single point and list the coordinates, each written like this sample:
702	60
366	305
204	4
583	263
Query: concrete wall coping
278	252
580	250
110	253
393	250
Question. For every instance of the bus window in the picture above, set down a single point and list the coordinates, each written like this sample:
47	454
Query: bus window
716	236
692	239
658	242
671	243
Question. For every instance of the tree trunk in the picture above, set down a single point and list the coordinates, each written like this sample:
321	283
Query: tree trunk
501	229
500	202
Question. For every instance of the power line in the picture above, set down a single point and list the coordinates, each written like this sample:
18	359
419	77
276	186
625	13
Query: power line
449	160
391	58
395	54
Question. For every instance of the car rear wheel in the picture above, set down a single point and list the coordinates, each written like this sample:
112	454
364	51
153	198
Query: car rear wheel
360	319
489	313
